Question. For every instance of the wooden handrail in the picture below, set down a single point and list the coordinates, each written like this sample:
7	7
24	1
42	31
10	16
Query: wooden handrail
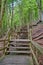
37	46
4	49
36	49
36	62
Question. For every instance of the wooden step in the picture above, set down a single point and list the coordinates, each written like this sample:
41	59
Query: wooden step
22	48
23	44
19	44
19	40
19	49
19	52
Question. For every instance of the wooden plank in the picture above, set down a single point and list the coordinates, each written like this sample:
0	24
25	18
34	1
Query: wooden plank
26	52
27	44
36	61
20	47
20	40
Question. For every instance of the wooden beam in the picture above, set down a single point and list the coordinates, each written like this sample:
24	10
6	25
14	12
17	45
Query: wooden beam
36	61
40	48
20	40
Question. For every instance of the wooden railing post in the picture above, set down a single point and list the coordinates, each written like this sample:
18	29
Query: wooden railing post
4	47
33	50
5	43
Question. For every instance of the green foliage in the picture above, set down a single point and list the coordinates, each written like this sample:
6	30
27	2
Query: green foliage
24	11
28	11
42	5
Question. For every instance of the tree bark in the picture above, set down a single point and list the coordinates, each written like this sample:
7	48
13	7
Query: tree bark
3	3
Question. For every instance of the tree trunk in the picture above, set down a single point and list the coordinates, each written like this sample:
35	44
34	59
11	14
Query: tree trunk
3	3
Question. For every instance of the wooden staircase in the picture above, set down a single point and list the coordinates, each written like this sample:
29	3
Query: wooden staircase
19	46
21	51
18	53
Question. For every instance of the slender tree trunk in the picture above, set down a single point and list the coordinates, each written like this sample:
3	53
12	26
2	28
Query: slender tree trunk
40	9
3	3
12	15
